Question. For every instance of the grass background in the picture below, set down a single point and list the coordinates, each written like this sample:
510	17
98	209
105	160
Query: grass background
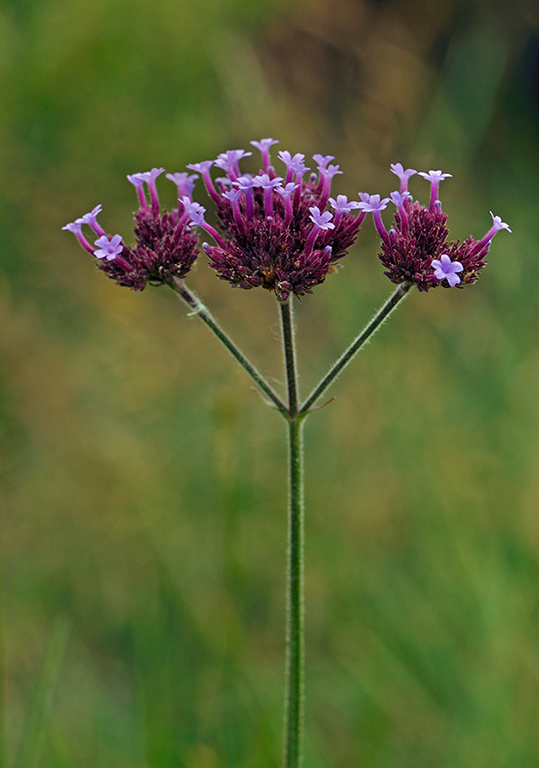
143	493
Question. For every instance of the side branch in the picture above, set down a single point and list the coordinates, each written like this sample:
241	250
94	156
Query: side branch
356	345
198	308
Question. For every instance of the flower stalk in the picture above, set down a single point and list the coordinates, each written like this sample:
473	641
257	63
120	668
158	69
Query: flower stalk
295	612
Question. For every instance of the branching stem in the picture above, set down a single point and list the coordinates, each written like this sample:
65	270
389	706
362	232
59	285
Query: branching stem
198	308
359	342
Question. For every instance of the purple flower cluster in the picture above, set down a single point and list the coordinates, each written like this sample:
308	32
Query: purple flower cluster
283	233
166	246
276	231
416	248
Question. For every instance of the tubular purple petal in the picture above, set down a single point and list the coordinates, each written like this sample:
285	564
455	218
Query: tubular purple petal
76	228
404	175
204	169
435	177
184	181
264	146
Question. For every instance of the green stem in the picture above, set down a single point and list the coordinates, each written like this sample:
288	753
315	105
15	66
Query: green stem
197	307
289	350
355	346
295	640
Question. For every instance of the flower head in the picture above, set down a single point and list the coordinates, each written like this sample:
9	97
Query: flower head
417	249
165	246
277	232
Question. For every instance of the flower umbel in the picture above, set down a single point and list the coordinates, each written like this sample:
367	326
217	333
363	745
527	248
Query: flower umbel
165	247
275	230
416	249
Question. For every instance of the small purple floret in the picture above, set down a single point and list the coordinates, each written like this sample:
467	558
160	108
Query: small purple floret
446	269
203	167
74	226
398	198
322	160
498	224
233	195
264	181
184	181
89	218
229	161
295	165
196	213
342	204
287	190
404	175
435	177
245	182
264	146
322	220
372	203
108	249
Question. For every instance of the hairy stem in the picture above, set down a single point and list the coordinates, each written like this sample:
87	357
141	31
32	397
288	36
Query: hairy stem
289	351
295	641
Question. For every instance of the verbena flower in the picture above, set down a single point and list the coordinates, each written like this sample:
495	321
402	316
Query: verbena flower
276	230
445	269
416	248
165	245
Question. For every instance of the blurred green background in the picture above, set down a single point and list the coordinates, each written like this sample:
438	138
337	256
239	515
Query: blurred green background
143	482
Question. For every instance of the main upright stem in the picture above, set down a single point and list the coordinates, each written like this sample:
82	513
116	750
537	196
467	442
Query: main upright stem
295	641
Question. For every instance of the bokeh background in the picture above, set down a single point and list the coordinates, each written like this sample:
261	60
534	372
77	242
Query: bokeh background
143	482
